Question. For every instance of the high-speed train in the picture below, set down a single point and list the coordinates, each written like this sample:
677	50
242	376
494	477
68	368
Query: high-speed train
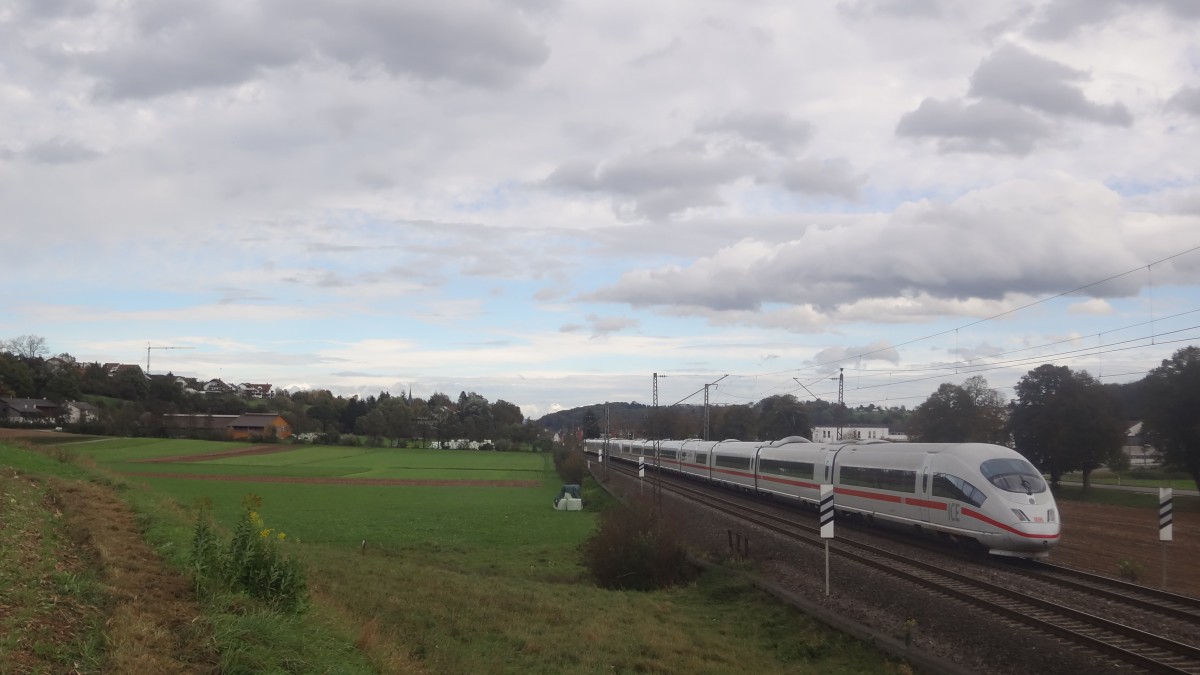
987	493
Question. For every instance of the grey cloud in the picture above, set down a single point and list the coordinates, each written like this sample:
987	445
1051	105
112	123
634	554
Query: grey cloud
189	44
660	182
1062	18
1015	75
777	131
831	177
1017	237
1018	93
827	359
570	328
1186	100
60	150
54	9
902	9
984	126
607	325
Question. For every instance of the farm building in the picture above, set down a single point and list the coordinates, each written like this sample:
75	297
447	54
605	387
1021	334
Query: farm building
247	426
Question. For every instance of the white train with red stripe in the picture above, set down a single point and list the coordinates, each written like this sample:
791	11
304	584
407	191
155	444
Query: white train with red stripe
987	493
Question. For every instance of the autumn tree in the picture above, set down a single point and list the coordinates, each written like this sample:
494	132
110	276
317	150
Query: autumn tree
1065	421
1172	414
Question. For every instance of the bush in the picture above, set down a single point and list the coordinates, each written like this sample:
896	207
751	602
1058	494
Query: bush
636	548
571	465
252	562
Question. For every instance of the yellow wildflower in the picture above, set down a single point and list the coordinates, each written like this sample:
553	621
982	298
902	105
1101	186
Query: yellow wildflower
280	536
265	533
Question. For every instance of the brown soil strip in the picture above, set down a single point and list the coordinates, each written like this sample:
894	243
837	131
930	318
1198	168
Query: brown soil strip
154	624
244	452
322	480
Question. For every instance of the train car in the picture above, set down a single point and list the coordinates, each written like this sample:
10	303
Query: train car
986	493
695	458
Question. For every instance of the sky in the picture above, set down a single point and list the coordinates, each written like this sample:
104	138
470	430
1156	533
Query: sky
547	201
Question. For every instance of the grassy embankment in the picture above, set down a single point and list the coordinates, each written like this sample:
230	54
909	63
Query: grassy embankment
456	579
1149	477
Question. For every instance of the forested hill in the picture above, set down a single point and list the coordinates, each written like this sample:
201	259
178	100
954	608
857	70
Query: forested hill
621	416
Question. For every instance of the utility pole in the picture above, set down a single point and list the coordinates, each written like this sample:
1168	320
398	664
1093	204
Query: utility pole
841	412
149	347
711	384
657	448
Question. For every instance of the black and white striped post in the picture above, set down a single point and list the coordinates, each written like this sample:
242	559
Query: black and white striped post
1165	519
641	473
827	526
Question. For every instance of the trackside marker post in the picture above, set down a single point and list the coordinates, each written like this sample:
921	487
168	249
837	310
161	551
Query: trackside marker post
1165	527
826	526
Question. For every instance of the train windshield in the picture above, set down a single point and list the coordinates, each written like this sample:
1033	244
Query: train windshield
1013	475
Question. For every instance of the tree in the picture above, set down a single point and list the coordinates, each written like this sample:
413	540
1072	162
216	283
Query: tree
26	346
16	378
735	421
591	427
1065	421
782	416
1172	414
971	413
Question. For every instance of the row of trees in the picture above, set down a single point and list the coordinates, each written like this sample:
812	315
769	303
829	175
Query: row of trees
1065	420
770	418
132	404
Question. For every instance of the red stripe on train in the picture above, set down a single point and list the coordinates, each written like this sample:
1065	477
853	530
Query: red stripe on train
995	523
867	495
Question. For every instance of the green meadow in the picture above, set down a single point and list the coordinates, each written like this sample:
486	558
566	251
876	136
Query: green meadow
453	578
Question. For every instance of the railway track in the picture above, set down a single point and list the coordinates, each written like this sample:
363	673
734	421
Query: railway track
1118	642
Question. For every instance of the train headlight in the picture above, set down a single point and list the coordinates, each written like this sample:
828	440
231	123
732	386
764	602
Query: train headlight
1021	516
1052	516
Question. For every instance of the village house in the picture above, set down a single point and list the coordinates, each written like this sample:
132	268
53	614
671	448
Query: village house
29	411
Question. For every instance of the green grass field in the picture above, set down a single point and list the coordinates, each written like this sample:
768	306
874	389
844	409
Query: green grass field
454	578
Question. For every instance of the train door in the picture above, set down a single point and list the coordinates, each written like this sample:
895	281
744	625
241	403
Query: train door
925	488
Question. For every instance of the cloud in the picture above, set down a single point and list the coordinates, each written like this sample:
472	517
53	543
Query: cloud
60	150
816	177
1092	306
1017	238
660	182
167	47
982	126
1018	94
1060	19
606	325
1186	100
778	132
827	360
894	9
1015	75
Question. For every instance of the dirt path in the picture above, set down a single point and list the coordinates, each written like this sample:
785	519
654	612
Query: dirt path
322	480
153	625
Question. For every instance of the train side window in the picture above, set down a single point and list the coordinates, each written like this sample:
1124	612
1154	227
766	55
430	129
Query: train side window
895	480
781	467
702	458
730	462
953	487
